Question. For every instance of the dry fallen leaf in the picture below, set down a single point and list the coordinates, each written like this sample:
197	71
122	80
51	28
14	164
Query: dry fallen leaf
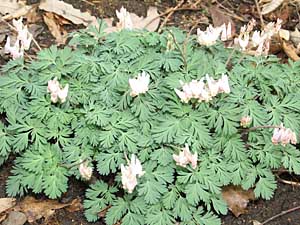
237	198
18	12
6	203
295	37
32	16
56	30
68	11
291	51
284	34
35	209
10	6
75	205
271	6
255	222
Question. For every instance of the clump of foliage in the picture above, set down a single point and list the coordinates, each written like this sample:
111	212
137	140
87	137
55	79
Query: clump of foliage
100	123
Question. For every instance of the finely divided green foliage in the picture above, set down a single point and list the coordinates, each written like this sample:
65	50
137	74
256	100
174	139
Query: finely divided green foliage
100	122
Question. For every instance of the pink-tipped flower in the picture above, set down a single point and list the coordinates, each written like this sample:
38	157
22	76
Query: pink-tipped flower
16	51
284	136
140	84
224	84
85	171
245	121
185	157
124	17
130	173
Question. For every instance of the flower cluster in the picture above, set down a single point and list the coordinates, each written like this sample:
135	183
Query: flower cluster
284	136
57	93
260	39
125	21
211	34
85	170
245	121
203	91
140	84
130	173
185	157
23	40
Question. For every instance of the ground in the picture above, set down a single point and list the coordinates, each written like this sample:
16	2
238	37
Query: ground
287	196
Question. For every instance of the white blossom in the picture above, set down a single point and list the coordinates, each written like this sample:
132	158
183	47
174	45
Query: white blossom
185	157
124	17
56	92
85	170
209	36
130	173
22	43
284	136
226	32
140	84
201	91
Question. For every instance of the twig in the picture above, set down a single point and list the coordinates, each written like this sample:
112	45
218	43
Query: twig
229	57
187	39
170	14
261	127
230	13
293	183
69	166
13	28
179	49
280	214
260	15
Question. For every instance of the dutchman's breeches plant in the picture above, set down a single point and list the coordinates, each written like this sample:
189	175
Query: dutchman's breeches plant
159	129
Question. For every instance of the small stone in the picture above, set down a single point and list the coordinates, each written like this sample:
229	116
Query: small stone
15	218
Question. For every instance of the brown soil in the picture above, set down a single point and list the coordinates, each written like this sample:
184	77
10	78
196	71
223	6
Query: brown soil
286	195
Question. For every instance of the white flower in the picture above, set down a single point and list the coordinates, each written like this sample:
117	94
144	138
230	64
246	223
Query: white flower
243	40
213	86
224	84
257	38
124	17
129	180
56	91
140	84
185	157
85	171
183	97
209	36
63	93
136	166
130	173
16	51
284	136
226	32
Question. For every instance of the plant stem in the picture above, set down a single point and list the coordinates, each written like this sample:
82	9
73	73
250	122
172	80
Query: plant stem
262	127
179	49
230	56
69	166
280	214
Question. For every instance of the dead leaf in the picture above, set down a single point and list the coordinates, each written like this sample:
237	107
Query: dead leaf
6	203
10	6
56	30
237	198
35	209
219	18
103	212
15	218
255	222
32	16
271	6
68	11
284	34
75	205
290	50
295	37
18	13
